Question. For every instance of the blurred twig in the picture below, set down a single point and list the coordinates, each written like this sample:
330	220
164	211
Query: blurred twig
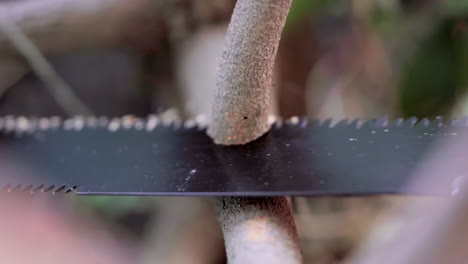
58	26
59	89
184	231
11	70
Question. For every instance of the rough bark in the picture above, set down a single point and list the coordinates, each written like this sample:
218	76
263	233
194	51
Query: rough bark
243	95
258	230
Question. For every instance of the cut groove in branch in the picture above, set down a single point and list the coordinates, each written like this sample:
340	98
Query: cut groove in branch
256	229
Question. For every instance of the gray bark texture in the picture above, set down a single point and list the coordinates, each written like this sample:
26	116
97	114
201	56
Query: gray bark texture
258	230
255	229
243	96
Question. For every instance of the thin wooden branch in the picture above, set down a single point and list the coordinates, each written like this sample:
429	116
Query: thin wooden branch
11	71
243	96
58	88
259	230
256	229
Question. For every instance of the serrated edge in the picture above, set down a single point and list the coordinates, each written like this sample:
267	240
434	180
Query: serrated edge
24	125
38	188
27	125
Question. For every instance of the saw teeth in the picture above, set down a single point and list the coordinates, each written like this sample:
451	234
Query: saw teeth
169	121
423	123
37	189
58	190
202	122
397	122
139	124
41	188
294	120
127	121
91	122
114	125
464	121
411	122
176	124
27	188
327	123
369	124
68	124
55	122
71	189
102	121
17	188
9	124
22	125
438	121
279	123
382	122
272	119
356	123
48	189
151	122
190	124
454	122
314	123
78	123
44	123
33	123
342	123
303	122
459	122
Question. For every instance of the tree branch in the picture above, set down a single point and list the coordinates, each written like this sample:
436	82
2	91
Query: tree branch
259	230
243	96
12	70
256	230
58	88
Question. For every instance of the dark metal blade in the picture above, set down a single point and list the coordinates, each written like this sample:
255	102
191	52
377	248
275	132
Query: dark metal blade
292	159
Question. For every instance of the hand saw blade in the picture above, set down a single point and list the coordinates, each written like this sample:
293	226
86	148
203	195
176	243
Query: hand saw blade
293	158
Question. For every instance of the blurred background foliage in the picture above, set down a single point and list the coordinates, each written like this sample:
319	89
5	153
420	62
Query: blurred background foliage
341	59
